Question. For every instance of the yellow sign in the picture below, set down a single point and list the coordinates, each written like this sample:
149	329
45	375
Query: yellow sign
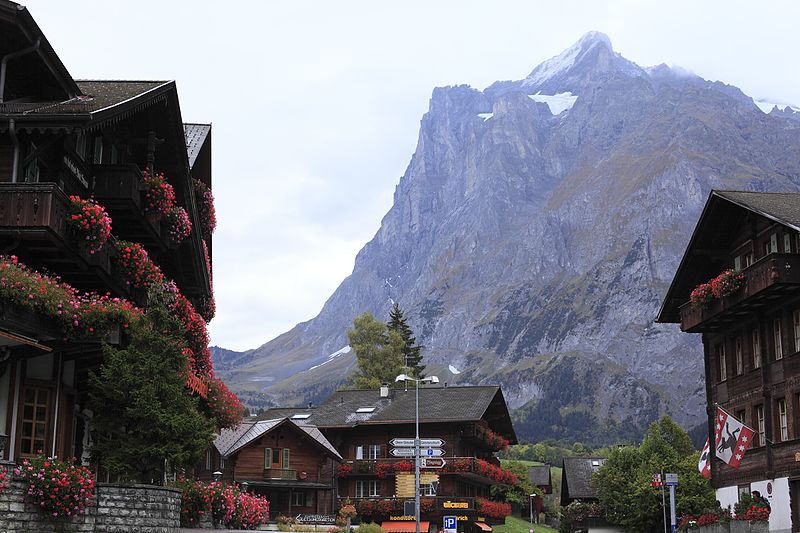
404	483
462	518
455	505
404	517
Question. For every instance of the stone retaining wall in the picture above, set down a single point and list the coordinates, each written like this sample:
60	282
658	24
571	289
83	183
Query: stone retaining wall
115	509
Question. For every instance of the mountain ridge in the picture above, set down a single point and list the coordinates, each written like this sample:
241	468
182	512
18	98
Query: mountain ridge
533	248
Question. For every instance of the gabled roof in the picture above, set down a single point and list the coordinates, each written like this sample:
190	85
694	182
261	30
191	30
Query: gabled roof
349	408
232	440
576	478
539	476
196	135
721	219
18	31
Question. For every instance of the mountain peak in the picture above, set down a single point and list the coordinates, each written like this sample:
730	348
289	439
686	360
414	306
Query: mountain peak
592	53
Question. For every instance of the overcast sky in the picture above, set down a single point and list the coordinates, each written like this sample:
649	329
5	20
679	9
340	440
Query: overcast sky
316	105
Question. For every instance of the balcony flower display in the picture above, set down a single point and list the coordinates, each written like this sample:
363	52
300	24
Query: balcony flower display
79	313
195	333
205	203
385	507
495	441
701	296
57	489
366	507
135	264
179	224
727	283
91	220
224	405
755	513
159	196
3	479
495	473
492	509
344	470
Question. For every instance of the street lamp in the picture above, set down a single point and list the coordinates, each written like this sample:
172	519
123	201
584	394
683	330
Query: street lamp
429	379
531	503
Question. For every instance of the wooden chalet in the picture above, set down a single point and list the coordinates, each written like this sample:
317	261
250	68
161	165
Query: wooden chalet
60	137
378	476
285	459
751	338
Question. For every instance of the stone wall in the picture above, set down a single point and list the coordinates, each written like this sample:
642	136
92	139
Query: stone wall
115	509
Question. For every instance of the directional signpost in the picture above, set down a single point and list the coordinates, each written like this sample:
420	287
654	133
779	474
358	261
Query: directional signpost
402	452
423	443
434	452
432	462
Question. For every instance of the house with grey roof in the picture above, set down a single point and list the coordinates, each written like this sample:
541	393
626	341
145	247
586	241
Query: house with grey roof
285	459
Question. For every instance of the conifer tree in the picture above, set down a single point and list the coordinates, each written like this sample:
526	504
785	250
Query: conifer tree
411	352
145	417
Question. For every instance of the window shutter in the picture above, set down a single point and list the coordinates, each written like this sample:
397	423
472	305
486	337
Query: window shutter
267	458
285	458
773	243
359	452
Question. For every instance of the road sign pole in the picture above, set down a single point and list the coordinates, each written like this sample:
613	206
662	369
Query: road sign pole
663	502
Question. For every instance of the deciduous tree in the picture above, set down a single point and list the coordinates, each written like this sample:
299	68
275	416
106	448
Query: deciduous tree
378	352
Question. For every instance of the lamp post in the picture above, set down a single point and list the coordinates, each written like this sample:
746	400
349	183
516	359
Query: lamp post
531	504
429	379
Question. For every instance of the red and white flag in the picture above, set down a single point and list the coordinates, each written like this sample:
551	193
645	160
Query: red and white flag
732	438
704	464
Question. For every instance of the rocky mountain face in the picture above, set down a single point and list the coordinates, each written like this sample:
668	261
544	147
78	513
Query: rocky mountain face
533	236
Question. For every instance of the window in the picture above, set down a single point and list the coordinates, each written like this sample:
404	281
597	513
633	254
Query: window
787	243
739	356
374	451
97	156
299	499
784	427
359	452
748	259
760	423
796	317
778	343
722	369
367	489
209	460
426	489
773	243
221	462
740	415
273	456
756	348
35	411
737	262
744	490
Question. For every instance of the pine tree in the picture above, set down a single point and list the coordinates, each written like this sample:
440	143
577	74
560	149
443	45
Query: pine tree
412	353
378	352
144	414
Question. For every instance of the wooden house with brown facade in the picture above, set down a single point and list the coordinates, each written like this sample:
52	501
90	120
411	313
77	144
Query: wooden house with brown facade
61	137
750	326
284	459
371	430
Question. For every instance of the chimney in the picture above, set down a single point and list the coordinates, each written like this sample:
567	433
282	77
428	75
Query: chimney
384	390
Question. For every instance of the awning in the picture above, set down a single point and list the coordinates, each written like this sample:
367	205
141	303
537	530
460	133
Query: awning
484	526
406	526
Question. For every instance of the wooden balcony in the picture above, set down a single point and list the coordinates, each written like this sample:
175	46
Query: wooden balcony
119	189
769	278
280	473
33	225
393	505
470	468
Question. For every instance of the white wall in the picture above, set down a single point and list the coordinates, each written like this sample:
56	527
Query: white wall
780	519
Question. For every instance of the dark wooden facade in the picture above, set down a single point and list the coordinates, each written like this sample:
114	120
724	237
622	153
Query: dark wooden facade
59	137
293	467
751	338
379	483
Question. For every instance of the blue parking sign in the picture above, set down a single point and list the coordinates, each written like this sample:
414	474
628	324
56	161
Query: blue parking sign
449	523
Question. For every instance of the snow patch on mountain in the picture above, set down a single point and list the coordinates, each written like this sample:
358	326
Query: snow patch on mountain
558	103
333	356
485	116
767	107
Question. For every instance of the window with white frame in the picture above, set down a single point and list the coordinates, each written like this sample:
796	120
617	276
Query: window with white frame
756	338
374	451
782	423
722	367
367	489
762	439
426	489
299	499
796	317
787	243
778	339
739	356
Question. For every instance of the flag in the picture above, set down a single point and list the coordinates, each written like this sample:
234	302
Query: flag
704	465
732	438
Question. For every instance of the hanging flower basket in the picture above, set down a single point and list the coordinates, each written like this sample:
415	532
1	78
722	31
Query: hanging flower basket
91	221
159	195
205	205
179	225
701	296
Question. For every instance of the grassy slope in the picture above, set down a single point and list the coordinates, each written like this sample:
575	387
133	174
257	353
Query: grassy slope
517	525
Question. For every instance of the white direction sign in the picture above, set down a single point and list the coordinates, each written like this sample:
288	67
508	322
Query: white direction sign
432	462
402	452
423	443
